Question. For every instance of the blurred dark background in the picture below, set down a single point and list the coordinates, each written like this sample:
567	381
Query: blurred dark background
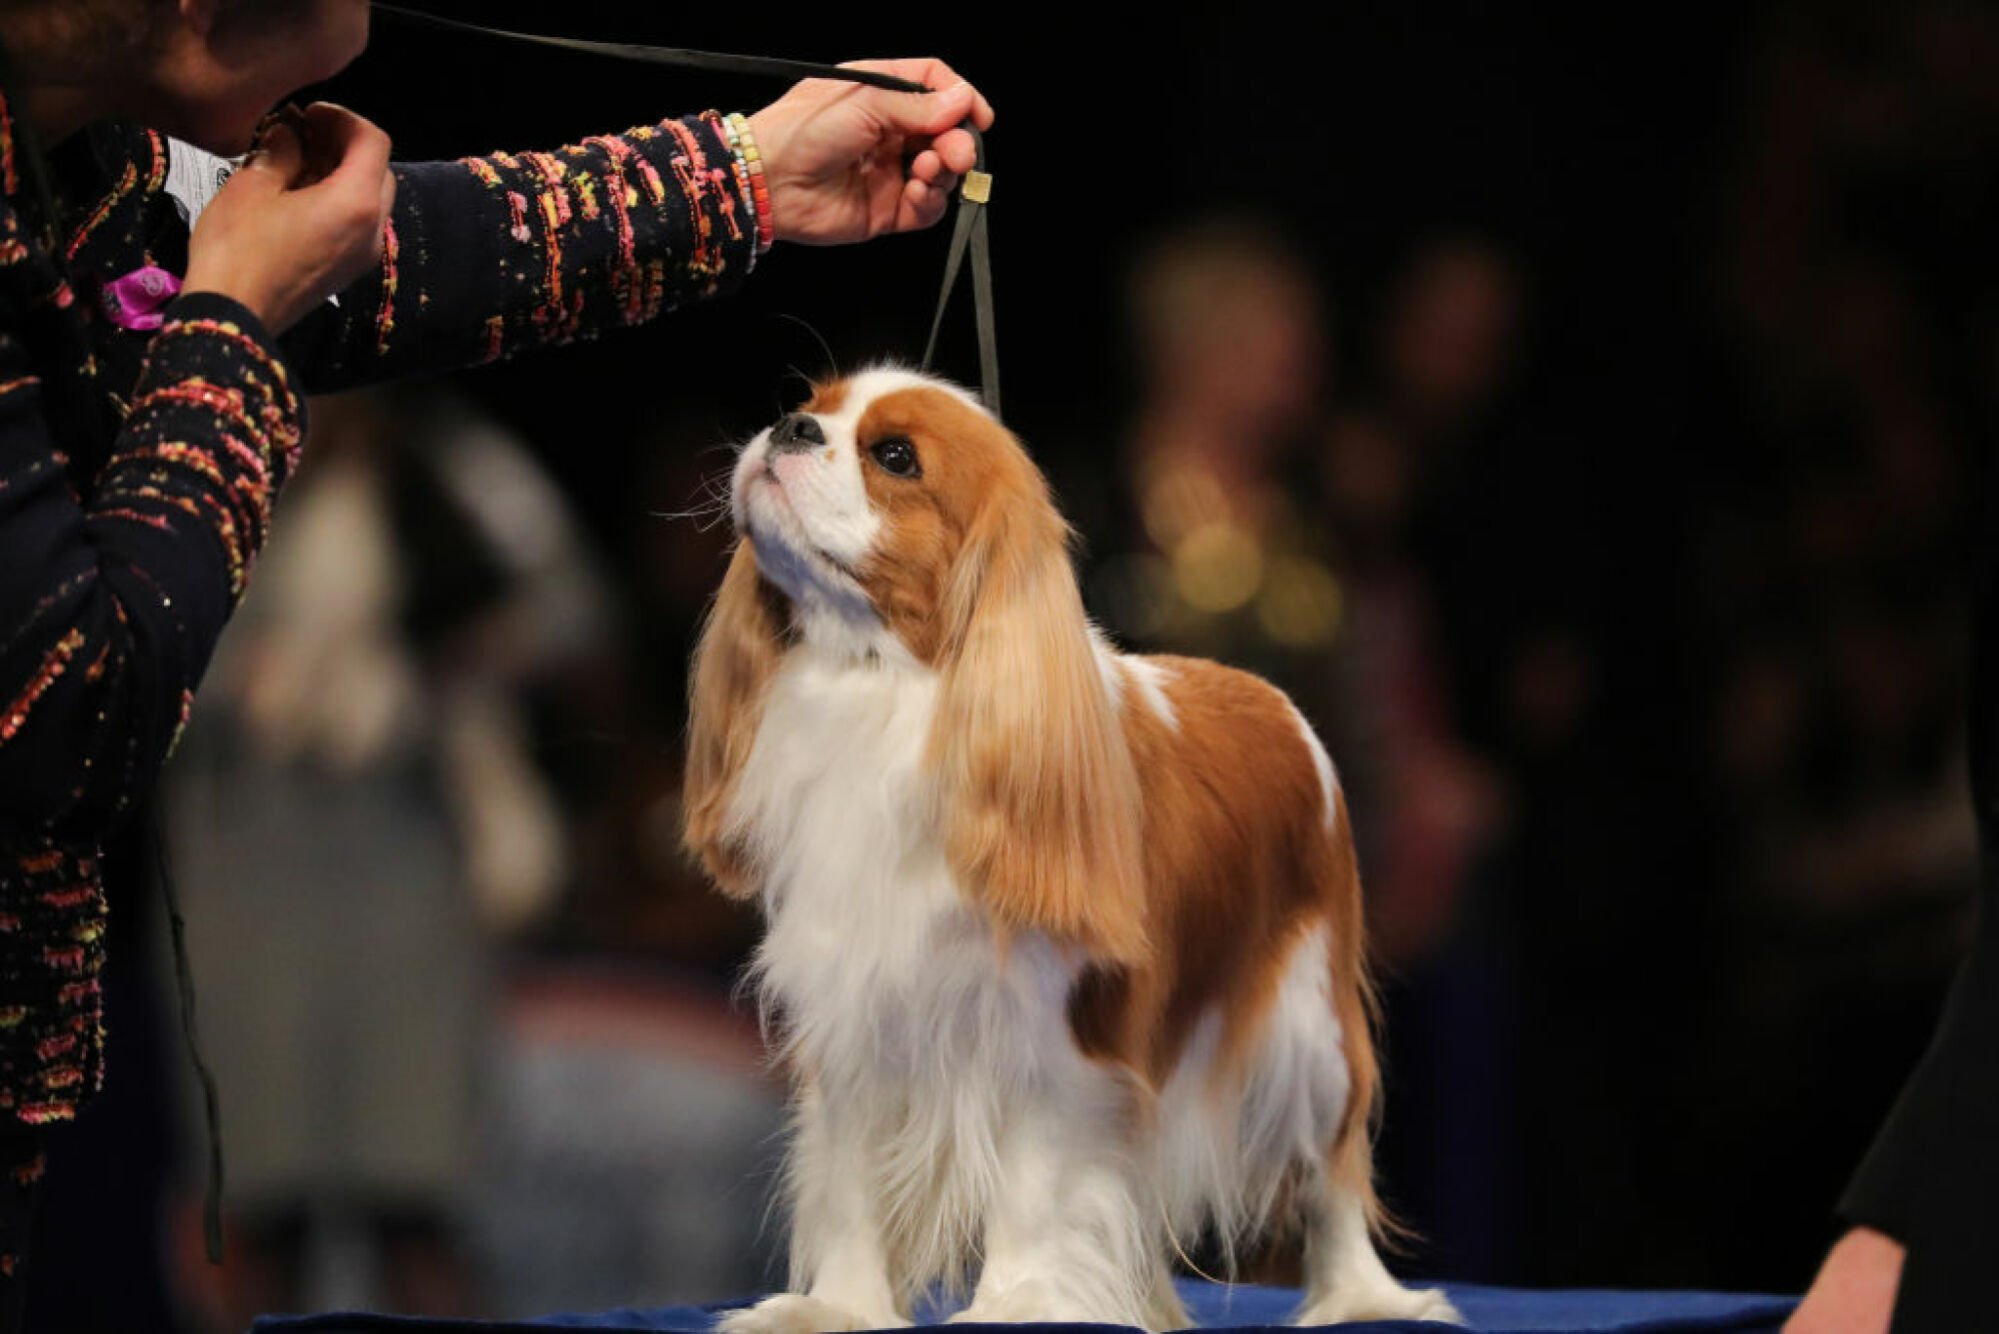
1579	415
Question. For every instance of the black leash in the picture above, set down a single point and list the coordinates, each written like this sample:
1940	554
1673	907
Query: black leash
974	191
211	1098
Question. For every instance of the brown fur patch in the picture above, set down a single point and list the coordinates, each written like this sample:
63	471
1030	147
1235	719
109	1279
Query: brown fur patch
1237	866
1241	860
967	459
1039	795
826	398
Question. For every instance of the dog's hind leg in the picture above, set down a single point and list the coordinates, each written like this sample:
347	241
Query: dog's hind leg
1344	1276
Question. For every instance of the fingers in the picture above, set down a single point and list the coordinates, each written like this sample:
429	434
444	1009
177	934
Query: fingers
943	76
920	130
934	171
352	159
934	113
349	142
280	153
956	150
934	174
334	125
933	73
922	205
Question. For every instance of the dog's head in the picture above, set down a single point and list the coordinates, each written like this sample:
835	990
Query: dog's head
878	505
893	520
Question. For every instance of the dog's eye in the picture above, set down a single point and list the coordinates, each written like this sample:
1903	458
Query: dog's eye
897	456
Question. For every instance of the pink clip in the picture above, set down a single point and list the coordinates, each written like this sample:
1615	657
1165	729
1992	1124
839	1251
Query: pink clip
136	300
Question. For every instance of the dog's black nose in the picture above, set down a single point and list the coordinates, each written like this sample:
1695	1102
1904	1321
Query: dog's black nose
798	431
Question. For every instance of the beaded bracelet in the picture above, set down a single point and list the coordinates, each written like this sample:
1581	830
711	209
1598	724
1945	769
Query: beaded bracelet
760	189
740	169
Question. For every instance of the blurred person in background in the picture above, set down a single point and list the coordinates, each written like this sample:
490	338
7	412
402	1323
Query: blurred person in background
1427	808
633	1129
1433	383
1270	525
1212	547
1204	538
1539	964
356	823
144	435
1858	284
1391	468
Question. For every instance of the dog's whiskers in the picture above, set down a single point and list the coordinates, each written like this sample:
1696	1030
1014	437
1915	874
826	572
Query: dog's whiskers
709	506
832	362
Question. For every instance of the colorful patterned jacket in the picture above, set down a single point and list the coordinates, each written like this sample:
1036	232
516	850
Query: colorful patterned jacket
138	470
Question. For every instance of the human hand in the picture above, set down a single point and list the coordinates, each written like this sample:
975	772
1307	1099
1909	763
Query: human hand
1854	1292
845	162
302	218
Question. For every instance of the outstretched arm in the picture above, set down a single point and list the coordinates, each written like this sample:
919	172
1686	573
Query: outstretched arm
487	256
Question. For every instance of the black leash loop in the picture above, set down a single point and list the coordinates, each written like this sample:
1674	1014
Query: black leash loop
974	191
970	233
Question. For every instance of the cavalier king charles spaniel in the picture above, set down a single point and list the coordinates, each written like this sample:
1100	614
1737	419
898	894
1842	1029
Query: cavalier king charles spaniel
1064	945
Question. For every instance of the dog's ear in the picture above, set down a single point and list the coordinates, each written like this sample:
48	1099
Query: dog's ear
1041	808
741	642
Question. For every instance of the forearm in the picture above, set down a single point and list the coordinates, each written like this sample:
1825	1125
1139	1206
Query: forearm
488	256
111	607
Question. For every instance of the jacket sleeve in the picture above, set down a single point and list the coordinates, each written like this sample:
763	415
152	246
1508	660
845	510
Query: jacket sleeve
1946	1120
1931	1178
110	607
486	256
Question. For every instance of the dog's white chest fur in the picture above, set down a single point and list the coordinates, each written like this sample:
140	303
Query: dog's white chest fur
833	800
856	889
843	820
909	1022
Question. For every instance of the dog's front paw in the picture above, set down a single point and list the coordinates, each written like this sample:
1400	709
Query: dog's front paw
1388	1301
792	1313
1036	1301
1018	1304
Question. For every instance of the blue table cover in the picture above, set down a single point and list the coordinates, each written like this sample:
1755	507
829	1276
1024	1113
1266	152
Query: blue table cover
1216	1306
